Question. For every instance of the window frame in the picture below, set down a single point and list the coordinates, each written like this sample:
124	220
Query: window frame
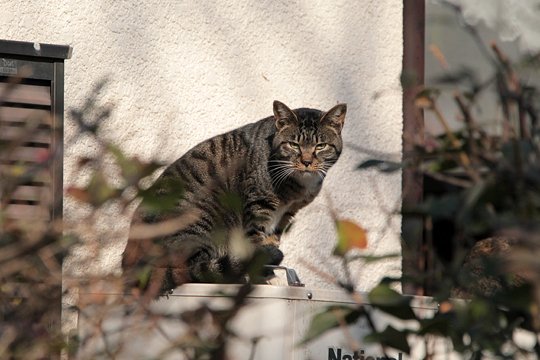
41	57
47	64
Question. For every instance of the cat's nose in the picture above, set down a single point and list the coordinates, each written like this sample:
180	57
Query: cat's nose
306	162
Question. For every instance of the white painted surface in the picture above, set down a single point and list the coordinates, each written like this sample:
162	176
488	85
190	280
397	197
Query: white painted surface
278	316
182	71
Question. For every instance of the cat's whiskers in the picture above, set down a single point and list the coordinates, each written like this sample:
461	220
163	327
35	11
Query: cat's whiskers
327	164
322	172
322	169
289	173
277	170
281	176
278	166
280	171
280	161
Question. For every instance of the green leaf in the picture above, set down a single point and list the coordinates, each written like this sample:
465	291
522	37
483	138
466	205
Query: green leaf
438	325
408	78
143	276
133	169
517	298
392	338
231	201
391	302
330	318
99	191
382	294
402	311
163	196
479	309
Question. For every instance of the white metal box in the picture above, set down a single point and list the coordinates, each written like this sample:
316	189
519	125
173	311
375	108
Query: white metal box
270	327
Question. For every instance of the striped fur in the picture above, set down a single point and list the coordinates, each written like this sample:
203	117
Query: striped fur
244	184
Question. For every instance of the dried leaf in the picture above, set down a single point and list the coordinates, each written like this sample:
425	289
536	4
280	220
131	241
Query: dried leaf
350	236
423	102
425	98
445	307
438	54
78	194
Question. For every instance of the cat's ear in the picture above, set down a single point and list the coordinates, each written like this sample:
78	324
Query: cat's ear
283	115
335	117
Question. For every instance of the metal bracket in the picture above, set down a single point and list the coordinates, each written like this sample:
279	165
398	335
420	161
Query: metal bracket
292	277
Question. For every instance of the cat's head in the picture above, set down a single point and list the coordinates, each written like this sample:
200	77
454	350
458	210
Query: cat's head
307	141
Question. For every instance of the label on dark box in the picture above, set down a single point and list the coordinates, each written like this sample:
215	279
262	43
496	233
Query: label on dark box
8	67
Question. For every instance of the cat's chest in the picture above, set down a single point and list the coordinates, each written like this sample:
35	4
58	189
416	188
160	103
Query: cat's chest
295	199
311	186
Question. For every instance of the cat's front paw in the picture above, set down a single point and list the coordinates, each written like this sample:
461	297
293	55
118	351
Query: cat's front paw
273	256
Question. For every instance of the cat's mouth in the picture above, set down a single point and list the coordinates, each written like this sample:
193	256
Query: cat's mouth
306	171
309	177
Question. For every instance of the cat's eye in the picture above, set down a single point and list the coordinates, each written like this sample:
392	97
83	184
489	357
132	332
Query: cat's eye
320	146
294	145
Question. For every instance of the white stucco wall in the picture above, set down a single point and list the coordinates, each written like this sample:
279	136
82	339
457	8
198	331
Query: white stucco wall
182	71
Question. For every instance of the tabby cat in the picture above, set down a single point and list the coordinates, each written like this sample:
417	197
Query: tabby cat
248	182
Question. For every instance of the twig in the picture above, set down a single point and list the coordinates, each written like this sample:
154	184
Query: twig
142	231
343	325
463	157
513	89
469	122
